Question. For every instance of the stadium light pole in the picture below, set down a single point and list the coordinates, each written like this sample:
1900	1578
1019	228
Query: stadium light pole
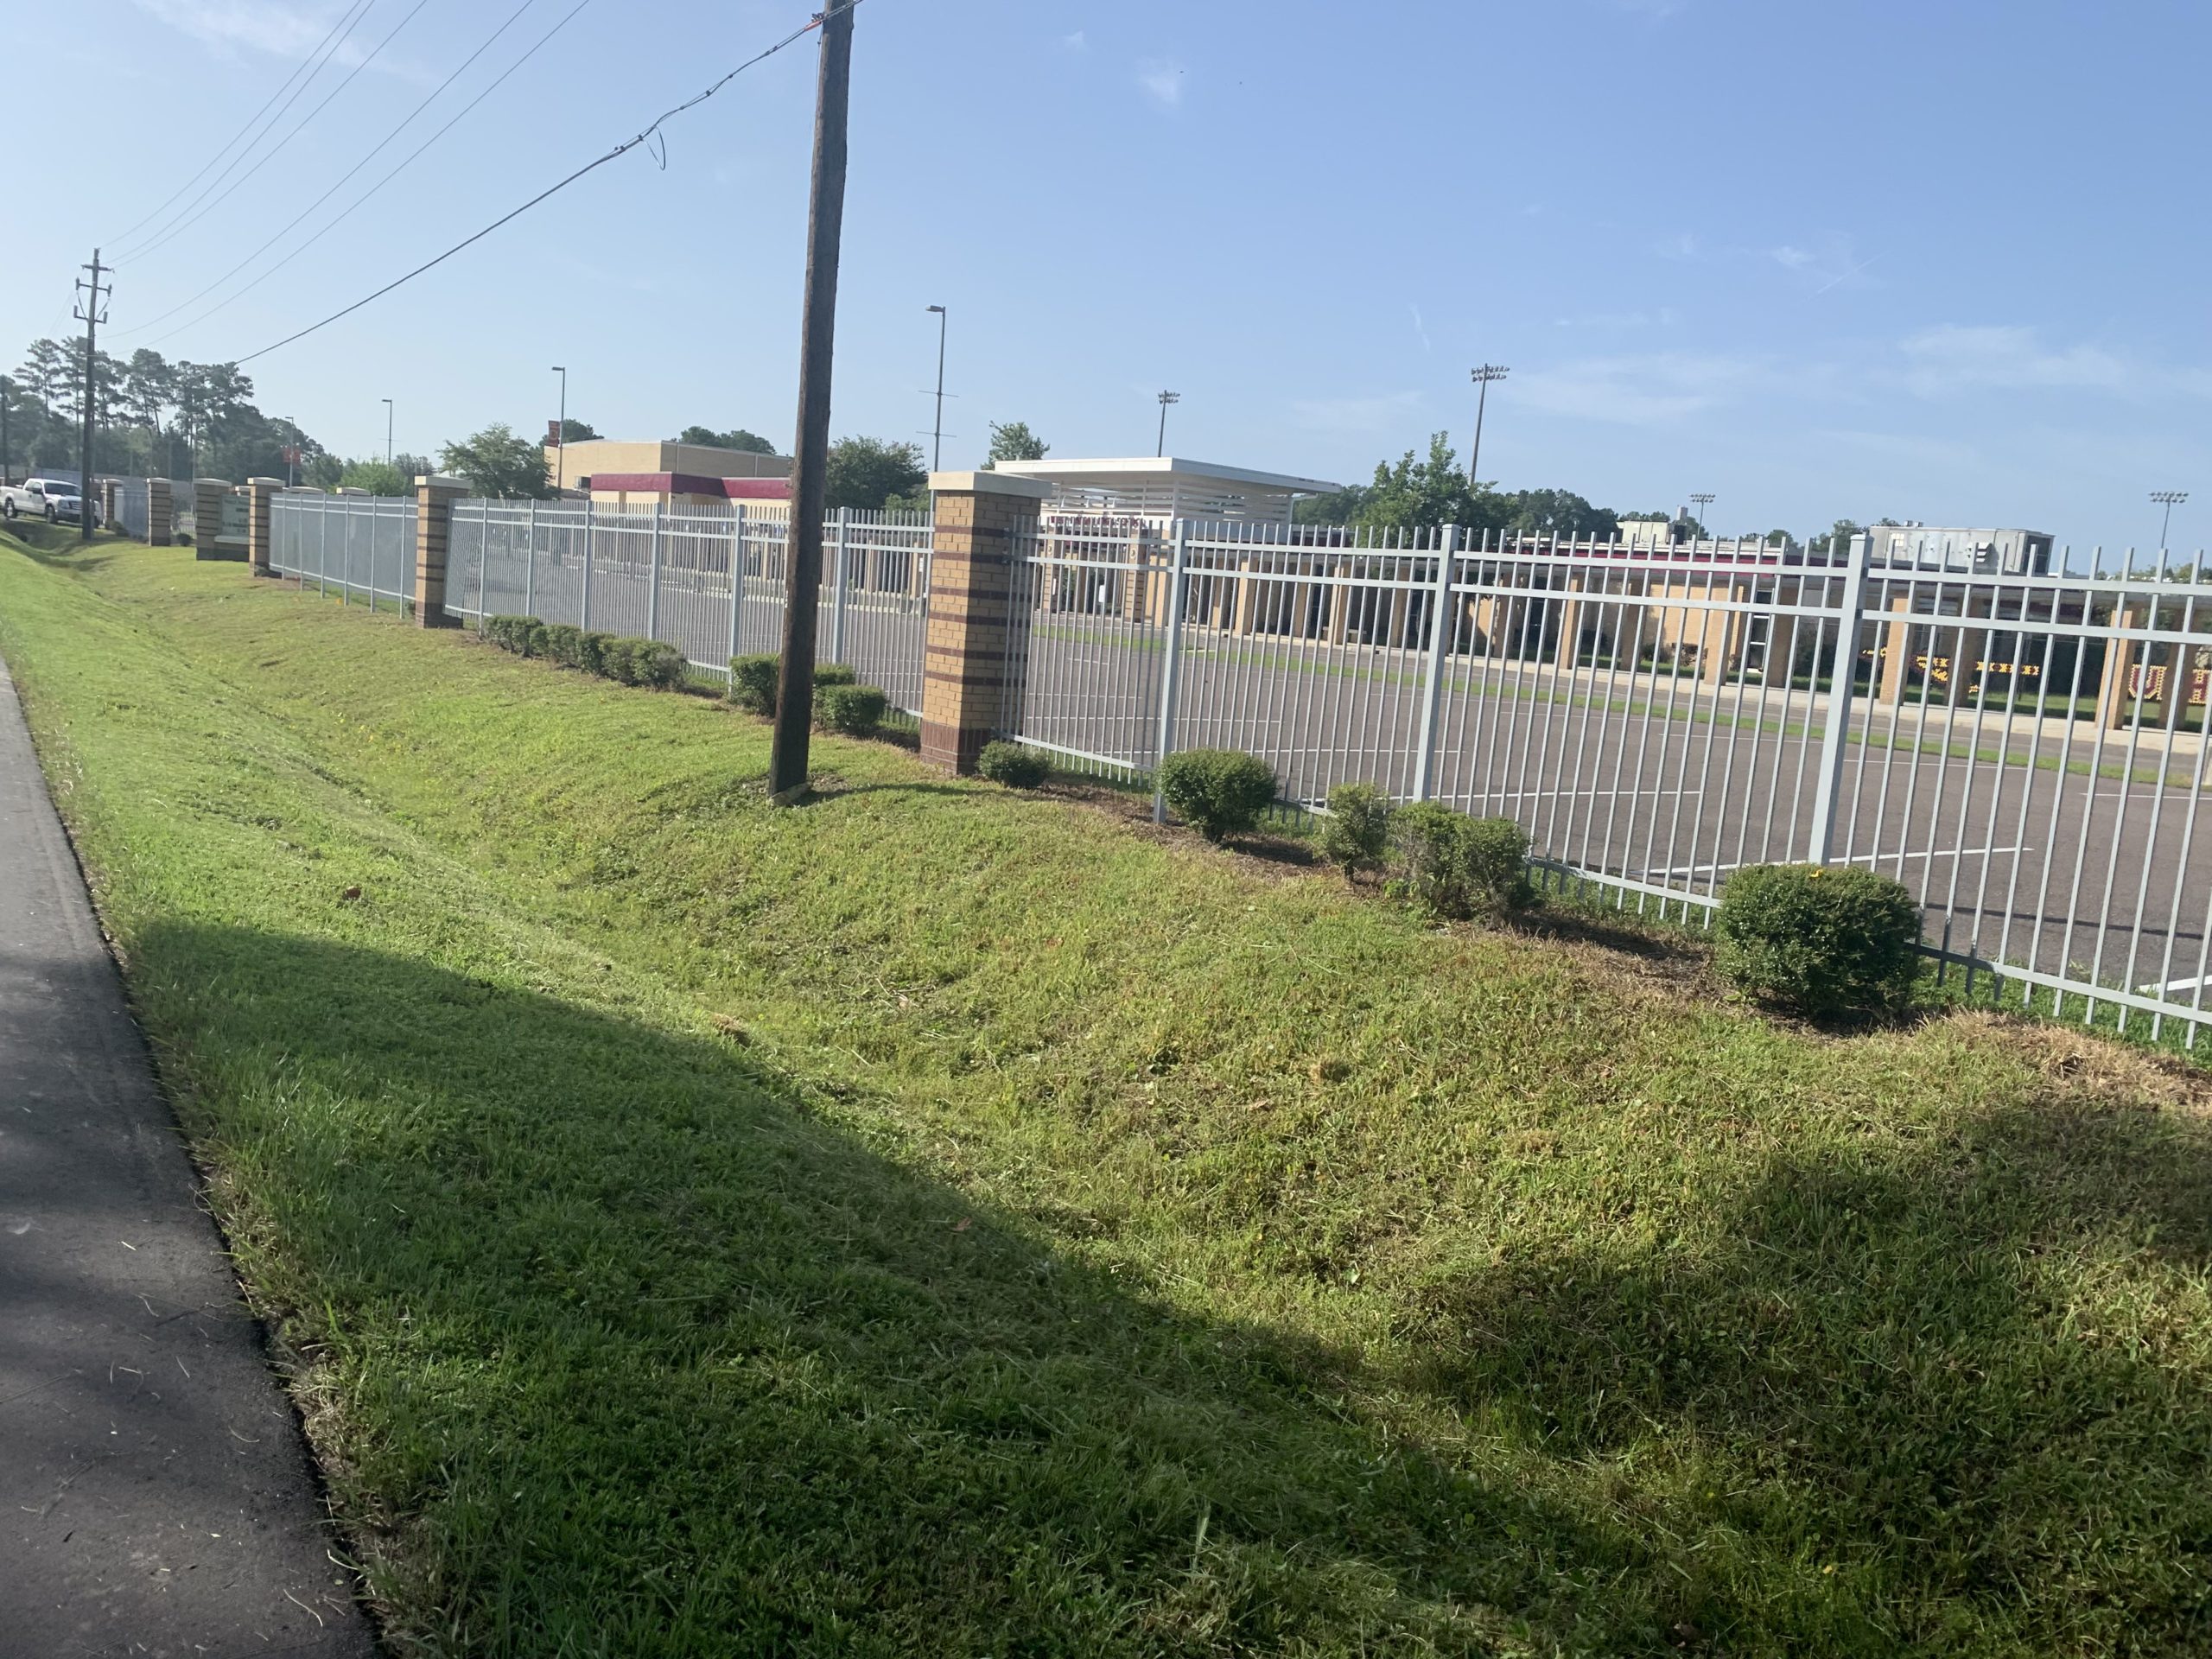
1165	399
2168	499
1483	376
1701	501
937	432
387	431
561	458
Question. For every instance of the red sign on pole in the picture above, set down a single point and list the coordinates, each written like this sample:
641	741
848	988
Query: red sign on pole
553	432
291	454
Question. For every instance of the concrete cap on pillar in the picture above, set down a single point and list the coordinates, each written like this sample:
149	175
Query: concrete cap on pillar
440	481
273	483
1034	489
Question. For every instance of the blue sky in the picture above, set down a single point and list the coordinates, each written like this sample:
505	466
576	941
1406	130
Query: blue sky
1937	262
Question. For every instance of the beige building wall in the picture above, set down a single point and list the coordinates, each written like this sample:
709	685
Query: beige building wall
590	455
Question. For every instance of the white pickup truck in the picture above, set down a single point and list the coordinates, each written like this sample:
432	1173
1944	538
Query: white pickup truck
56	500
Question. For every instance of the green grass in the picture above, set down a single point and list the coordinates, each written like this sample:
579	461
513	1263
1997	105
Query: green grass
944	1221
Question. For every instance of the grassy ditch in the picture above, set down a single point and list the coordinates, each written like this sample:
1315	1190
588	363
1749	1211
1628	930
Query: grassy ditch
944	1221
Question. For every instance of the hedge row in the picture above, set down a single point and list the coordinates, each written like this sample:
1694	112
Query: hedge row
841	702
617	656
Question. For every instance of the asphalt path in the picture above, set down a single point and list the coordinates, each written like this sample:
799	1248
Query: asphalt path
156	1496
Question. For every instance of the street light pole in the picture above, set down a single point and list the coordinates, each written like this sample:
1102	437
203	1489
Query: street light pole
2168	499
387	431
937	432
561	432
1165	399
1483	376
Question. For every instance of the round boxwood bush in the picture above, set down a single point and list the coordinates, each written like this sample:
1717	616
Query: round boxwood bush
1013	765
1218	792
835	674
1356	836
855	710
1827	941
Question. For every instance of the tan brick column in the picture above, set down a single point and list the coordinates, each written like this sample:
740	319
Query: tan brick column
208	495
2116	703
259	493
435	495
1897	651
984	520
160	513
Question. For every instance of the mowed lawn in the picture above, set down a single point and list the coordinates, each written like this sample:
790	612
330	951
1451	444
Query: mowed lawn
939	1221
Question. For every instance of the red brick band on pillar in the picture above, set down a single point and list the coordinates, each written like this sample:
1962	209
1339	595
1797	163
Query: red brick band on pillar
434	499
984	521
160	513
259	493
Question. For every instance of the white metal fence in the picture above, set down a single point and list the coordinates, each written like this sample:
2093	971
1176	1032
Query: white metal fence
133	512
2025	751
352	545
710	584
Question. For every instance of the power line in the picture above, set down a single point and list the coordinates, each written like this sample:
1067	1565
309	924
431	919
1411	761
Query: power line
326	54
362	199
234	137
184	304
276	149
622	148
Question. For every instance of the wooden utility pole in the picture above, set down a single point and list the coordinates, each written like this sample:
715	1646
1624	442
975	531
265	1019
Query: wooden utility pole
787	760
88	307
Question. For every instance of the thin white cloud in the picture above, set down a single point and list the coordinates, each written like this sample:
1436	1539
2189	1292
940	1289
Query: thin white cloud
1162	79
1789	257
1680	246
1076	42
1421	327
270	26
1357	417
1952	358
1651	389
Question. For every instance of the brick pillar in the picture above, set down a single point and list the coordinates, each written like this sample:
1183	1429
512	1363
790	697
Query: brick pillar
1890	667
2116	702
160	513
259	494
984	520
433	498
208	495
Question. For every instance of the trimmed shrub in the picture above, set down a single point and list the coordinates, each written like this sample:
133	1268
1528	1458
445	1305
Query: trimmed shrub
658	664
1013	765
835	674
753	681
855	710
591	652
1827	941
1427	842
508	632
1218	792
1456	865
1497	867
563	645
614	660
1356	836
533	644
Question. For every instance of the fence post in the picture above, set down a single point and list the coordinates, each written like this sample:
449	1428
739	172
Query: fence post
986	523
653	578
736	576
1170	668
1432	689
837	605
530	565
483	557
583	605
435	495
1842	666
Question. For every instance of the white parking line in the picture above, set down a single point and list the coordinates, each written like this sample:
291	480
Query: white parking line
1856	858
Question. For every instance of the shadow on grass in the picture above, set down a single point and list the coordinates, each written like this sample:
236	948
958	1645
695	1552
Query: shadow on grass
1967	1372
636	1353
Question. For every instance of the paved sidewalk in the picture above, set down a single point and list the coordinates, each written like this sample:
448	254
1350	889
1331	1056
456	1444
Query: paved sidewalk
156	1497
